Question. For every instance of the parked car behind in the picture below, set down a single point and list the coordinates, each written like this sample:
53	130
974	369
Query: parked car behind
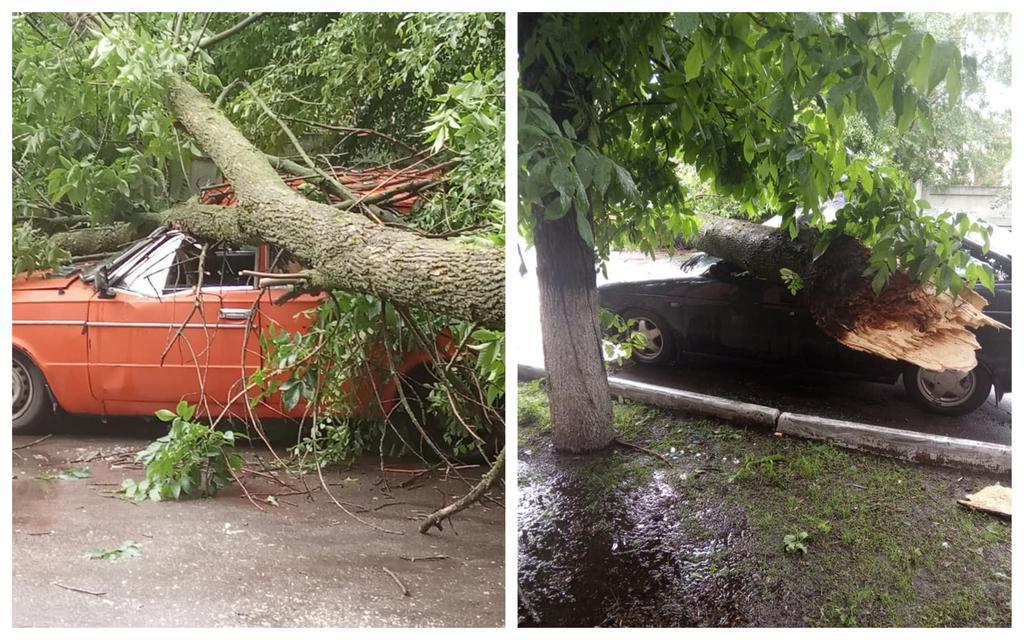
717	309
105	340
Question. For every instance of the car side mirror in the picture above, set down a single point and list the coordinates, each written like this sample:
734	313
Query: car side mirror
102	281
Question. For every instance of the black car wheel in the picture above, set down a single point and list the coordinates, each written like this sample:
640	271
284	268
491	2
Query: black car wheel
951	393
659	347
31	402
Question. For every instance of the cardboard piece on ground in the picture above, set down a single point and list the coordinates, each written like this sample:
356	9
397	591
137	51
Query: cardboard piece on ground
994	498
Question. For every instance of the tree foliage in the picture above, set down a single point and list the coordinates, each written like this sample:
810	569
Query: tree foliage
96	142
758	104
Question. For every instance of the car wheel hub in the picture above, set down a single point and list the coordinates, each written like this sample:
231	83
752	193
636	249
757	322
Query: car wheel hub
653	341
946	388
22	389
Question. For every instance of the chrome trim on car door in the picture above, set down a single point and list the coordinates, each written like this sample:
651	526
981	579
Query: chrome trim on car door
234	314
136	325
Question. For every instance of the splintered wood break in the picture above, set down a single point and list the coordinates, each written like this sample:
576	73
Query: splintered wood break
909	322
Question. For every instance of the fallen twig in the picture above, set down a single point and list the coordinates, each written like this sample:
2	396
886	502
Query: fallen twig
77	590
37	441
620	441
418	558
401	585
495	472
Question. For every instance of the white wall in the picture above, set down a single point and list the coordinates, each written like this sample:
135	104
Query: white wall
991	204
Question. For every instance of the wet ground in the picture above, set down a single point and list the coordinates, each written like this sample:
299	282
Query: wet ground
628	561
834	397
222	562
621	539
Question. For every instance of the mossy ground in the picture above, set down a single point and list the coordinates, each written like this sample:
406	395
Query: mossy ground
886	543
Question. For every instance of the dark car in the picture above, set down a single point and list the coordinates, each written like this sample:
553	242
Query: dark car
714	308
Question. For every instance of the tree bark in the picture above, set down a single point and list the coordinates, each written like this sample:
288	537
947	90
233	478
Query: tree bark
906	321
580	400
345	251
103	239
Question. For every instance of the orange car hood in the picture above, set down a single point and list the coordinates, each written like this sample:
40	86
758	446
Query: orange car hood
41	281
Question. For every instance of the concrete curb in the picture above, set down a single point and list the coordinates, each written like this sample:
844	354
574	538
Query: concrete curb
897	443
743	412
909	445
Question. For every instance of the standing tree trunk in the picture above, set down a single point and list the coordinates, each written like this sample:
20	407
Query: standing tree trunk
580	400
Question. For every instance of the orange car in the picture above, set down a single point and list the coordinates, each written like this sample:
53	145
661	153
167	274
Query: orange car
108	340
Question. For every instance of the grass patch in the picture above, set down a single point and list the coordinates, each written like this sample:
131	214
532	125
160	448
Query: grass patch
839	538
606	474
534	415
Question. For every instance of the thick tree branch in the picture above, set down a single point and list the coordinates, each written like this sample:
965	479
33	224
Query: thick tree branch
905	321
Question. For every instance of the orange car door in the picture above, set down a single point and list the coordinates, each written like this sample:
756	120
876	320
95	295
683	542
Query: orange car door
220	342
131	356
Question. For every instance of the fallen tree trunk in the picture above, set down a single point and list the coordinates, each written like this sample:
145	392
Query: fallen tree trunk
345	250
905	321
342	250
104	239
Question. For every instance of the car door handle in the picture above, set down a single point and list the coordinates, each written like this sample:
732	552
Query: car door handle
235	314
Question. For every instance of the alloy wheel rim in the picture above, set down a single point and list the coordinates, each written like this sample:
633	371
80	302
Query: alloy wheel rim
946	388
22	390
654	342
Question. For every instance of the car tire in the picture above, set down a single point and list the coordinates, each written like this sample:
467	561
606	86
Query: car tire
945	394
31	404
661	347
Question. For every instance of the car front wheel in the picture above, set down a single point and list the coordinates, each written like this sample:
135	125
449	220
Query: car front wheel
659	347
31	402
951	393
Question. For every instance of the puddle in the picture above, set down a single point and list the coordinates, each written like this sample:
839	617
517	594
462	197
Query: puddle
639	557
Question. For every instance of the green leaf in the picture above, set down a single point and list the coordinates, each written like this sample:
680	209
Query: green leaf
941	59
867	105
570	131
165	416
748	148
782	107
953	81
584	227
796	153
879	281
584	163
694	61
563	180
685	23
909	49
603	174
921	70
626	183
820	247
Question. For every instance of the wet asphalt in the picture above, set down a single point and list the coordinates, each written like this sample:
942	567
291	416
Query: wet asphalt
223	562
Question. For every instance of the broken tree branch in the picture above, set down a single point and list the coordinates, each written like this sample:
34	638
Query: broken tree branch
359	131
906	321
347	251
495	472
